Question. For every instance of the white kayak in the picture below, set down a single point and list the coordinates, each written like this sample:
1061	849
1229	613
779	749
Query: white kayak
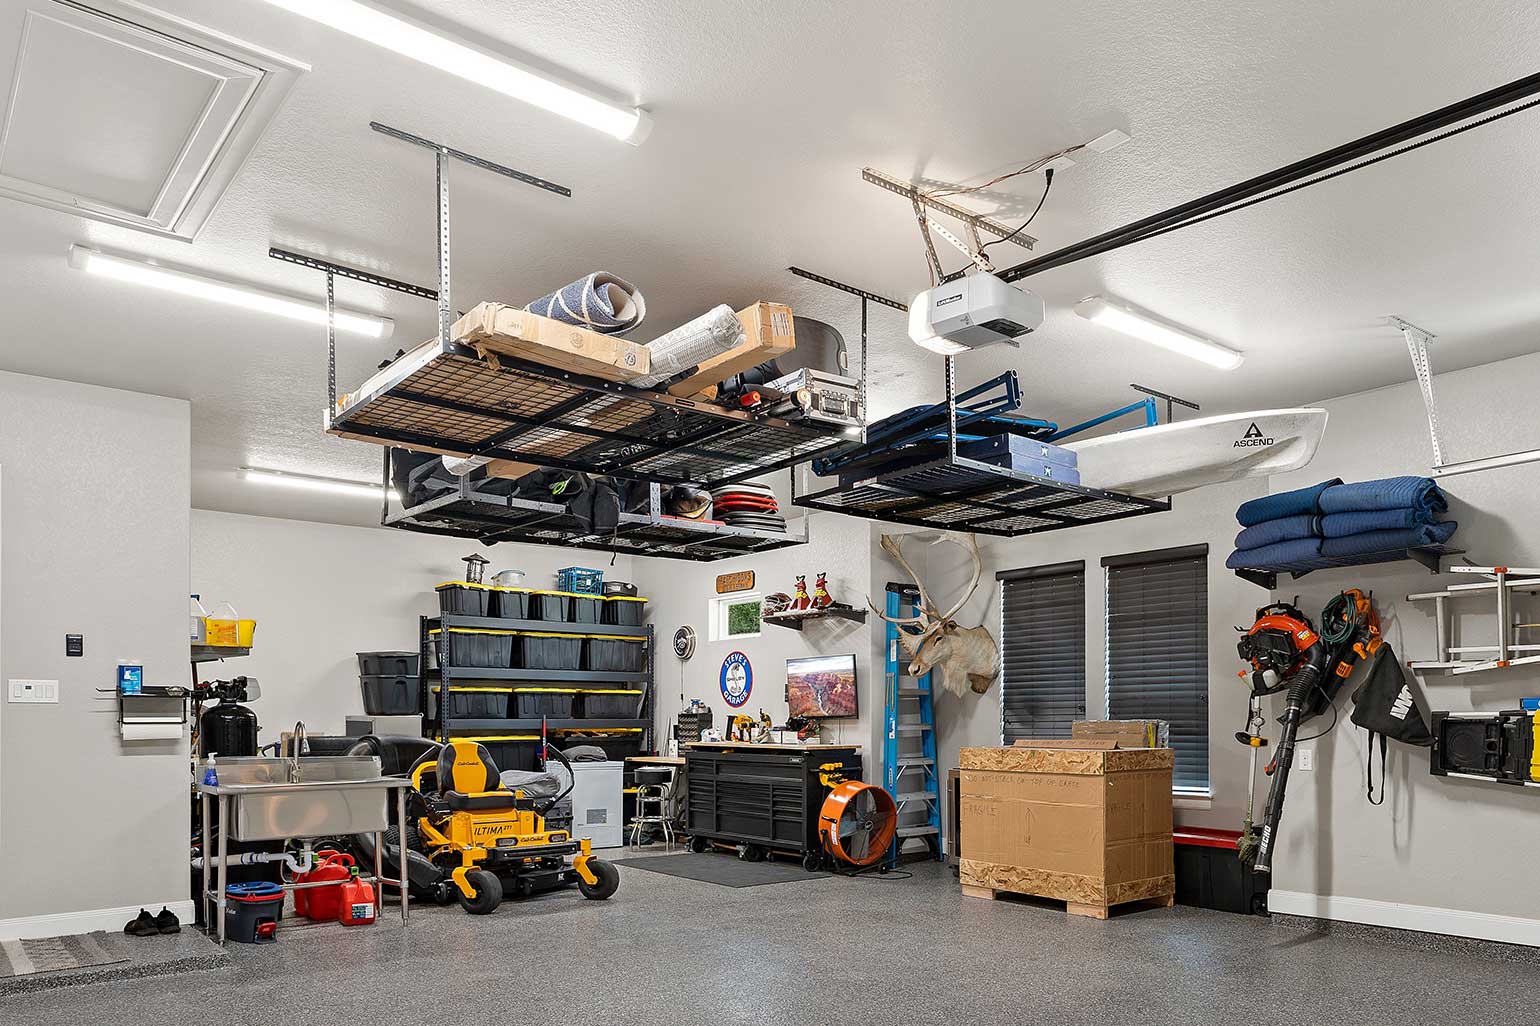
1170	458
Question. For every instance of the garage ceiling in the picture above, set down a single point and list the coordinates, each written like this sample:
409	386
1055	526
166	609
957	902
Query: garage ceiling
765	115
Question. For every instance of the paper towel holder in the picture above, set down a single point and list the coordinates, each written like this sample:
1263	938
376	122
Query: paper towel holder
164	705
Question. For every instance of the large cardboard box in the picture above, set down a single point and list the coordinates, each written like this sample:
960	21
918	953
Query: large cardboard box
506	330
1129	733
770	332
1089	826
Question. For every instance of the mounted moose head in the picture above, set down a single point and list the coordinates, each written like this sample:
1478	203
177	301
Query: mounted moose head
966	656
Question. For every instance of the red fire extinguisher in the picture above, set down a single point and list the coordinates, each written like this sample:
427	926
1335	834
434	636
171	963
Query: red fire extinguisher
357	898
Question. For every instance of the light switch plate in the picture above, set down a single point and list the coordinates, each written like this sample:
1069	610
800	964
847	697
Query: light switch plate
39	692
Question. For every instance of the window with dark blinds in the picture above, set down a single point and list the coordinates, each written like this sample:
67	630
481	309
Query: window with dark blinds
1157	650
1042	631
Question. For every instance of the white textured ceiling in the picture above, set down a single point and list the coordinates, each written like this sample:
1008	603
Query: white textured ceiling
765	114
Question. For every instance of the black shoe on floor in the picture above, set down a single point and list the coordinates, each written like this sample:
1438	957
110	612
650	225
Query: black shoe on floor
142	925
167	922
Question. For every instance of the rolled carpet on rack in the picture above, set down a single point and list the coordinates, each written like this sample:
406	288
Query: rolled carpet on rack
1300	501
712	333
600	302
1416	493
1389	541
1270	532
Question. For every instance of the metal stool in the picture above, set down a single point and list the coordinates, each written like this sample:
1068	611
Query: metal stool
654	787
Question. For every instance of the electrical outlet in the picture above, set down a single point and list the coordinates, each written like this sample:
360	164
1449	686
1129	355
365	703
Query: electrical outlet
40	692
1305	759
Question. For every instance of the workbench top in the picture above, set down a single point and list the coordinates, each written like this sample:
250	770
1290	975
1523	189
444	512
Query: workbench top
749	747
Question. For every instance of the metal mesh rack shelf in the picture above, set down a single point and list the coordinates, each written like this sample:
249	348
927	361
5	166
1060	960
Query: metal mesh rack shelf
442	397
474	513
960	494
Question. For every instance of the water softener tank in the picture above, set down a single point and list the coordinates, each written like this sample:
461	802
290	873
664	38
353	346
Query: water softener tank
228	729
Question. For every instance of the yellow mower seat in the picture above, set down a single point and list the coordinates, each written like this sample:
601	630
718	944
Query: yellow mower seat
468	779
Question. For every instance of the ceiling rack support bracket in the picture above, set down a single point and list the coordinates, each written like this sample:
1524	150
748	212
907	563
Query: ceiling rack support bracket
1417	348
886	181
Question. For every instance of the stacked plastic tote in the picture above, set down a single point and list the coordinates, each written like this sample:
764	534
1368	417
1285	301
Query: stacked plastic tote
1336	524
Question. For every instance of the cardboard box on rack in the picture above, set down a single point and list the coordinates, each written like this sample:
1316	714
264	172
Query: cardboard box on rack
770	332
498	329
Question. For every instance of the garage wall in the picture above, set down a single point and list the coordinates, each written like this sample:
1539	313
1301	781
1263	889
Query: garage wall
1203	516
681	593
321	592
93	541
1437	844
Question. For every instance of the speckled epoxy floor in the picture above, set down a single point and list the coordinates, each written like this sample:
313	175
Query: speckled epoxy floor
666	950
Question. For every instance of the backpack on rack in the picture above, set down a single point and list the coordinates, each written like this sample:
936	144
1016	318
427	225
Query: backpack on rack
1388	706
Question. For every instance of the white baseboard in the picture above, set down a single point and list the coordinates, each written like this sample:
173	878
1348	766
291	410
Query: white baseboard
66	924
1452	922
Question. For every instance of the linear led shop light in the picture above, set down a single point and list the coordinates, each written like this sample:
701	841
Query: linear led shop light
248	297
1149	328
314	483
408	37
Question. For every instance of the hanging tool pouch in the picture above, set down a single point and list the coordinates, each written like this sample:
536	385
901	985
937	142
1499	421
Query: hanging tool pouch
1387	705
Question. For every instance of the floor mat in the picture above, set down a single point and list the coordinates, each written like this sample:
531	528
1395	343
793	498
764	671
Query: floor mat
55	954
725	870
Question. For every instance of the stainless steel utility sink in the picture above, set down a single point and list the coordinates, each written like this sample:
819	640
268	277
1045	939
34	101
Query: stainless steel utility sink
326	796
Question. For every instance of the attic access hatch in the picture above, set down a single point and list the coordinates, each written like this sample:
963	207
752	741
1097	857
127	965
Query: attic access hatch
119	113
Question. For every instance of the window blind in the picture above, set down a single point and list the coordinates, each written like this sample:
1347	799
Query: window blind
1157	651
1042	630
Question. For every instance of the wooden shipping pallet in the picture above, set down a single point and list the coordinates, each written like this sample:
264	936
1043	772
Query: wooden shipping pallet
1082	895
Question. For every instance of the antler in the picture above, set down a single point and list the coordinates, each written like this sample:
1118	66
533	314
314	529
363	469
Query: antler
893	547
972	545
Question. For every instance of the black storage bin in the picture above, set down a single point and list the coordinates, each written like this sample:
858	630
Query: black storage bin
552	652
533	703
616	655
476	650
585	608
613	705
519	753
551	606
462	599
508	603
1210	874
472	704
624	612
386	695
616	746
395	664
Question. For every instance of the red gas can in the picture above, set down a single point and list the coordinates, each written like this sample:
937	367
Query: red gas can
357	902
324	903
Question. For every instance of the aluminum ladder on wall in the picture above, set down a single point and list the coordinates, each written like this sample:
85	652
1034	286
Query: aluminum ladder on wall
909	738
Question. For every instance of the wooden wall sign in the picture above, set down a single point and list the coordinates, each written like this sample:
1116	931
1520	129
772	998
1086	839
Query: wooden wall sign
743	580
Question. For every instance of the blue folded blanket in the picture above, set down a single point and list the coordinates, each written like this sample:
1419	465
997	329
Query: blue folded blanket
1282	554
1270	532
1418	493
1339	525
1285	504
1383	541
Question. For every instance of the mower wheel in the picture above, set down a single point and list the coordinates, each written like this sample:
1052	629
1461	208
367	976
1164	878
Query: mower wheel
445	892
608	880
413	839
489	892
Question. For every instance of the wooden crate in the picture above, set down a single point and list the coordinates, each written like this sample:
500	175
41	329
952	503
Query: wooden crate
1089	826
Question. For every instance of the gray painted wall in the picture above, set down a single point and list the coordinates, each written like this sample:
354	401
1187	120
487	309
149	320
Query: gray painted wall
321	592
94	529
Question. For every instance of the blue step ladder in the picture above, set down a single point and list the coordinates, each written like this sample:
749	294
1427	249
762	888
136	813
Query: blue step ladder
909	738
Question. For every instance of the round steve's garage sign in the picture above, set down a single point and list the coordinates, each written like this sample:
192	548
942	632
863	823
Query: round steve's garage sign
737	679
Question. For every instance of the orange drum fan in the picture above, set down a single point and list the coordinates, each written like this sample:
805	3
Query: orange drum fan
857	823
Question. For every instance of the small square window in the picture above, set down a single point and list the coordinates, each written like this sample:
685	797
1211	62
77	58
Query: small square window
736	616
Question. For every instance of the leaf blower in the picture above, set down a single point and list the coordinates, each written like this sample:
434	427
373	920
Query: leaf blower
1288	655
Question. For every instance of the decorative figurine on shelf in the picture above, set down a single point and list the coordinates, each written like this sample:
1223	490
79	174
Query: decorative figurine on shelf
800	603
762	734
821	597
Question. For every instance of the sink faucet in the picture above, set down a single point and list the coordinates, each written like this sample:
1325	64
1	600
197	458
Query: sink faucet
298	742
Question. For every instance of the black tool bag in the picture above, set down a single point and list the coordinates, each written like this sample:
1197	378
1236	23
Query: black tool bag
1387	705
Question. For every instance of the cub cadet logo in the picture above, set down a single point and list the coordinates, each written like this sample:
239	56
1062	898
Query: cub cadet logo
1253	438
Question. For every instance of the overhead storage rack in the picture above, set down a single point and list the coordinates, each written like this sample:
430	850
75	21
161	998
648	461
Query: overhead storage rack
472	511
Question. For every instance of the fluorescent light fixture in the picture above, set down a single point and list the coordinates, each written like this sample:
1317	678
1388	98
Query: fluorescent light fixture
312	483
1152	329
247	297
377	24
